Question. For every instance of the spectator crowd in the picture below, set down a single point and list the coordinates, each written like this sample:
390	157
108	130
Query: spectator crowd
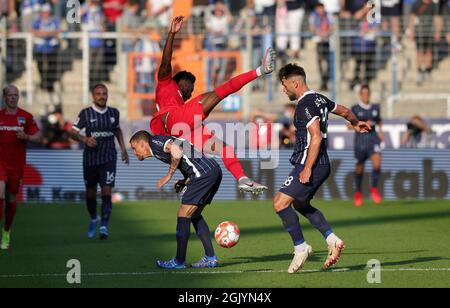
221	25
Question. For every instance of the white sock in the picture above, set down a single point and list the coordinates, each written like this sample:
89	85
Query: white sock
243	178
259	71
331	239
300	248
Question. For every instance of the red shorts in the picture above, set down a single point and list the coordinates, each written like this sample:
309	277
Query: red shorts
198	137
181	120
12	178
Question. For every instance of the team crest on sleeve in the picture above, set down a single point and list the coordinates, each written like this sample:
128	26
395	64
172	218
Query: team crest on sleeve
21	120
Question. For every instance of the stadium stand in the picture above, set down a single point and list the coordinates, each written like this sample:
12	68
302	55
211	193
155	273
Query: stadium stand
393	72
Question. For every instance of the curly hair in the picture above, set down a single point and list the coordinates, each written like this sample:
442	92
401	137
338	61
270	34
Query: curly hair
290	70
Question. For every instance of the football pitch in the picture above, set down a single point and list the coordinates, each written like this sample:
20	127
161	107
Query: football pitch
409	238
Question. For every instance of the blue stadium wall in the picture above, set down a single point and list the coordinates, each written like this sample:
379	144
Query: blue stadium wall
56	176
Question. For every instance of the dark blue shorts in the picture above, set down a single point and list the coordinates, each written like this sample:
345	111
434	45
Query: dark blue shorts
201	191
396	10
104	175
302	192
364	153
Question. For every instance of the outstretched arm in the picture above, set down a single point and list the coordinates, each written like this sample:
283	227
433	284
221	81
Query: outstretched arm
358	126
165	69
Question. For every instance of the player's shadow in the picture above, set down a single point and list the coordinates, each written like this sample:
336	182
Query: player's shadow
372	253
320	256
263	259
361	267
379	220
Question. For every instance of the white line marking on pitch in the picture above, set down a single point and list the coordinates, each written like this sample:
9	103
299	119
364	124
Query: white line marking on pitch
346	270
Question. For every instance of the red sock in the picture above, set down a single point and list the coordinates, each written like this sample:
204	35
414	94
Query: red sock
235	84
1	209
232	163
11	208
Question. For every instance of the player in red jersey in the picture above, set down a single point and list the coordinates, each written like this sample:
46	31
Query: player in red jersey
16	128
173	92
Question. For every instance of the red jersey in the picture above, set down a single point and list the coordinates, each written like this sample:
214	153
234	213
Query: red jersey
13	149
115	12
168	94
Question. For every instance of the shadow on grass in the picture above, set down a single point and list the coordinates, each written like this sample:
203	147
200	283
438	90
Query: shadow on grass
255	231
418	260
356	222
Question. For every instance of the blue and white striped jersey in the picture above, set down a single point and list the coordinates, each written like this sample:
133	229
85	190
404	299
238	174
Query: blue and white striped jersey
193	164
101	125
311	106
368	113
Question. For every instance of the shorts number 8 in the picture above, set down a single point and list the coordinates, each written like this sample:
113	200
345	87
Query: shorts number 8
289	181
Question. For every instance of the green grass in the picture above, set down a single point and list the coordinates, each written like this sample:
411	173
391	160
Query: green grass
402	235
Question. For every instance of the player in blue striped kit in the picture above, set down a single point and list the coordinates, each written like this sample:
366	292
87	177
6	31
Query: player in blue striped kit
368	146
97	127
202	178
311	165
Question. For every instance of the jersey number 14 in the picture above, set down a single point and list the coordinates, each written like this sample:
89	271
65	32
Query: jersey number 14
324	122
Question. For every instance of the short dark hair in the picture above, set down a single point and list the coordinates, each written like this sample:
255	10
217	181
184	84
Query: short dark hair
184	75
141	135
98	85
320	4
290	70
364	86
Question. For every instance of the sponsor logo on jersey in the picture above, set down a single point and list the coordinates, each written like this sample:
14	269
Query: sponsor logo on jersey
102	134
11	128
308	114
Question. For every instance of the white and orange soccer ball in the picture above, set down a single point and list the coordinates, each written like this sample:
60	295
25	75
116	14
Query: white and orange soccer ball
227	234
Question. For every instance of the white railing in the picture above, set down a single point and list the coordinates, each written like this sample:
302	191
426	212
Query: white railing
83	37
414	97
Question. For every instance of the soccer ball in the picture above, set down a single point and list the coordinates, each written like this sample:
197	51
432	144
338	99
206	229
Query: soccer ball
227	234
117	197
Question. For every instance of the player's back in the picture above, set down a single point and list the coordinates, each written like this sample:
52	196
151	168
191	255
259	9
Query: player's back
168	94
312	106
193	163
101	125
